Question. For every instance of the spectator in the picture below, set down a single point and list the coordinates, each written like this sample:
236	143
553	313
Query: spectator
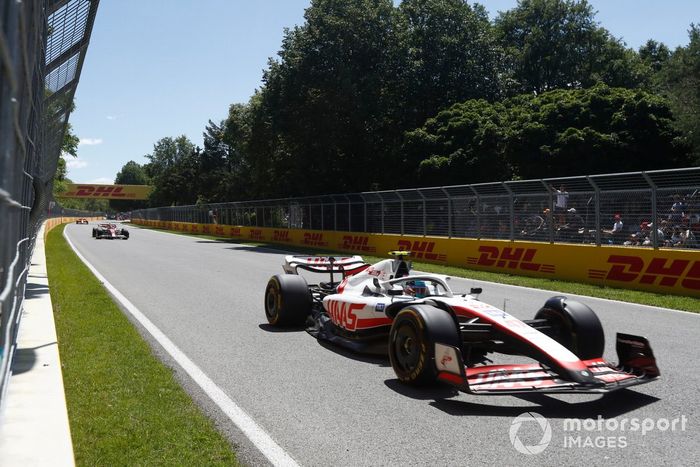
571	230
616	230
561	203
677	211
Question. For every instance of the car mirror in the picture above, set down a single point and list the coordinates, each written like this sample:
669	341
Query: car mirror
395	292
475	290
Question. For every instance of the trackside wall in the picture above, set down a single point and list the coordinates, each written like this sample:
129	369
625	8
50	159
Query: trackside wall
662	270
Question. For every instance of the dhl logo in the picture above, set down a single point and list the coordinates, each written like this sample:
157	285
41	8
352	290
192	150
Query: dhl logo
256	234
281	236
206	229
420	249
218	230
314	239
343	314
235	232
91	191
510	258
357	243
661	271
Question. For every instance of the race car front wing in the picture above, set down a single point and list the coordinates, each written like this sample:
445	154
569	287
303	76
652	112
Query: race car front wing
637	366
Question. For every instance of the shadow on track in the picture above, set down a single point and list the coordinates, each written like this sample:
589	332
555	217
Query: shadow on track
378	360
276	329
608	405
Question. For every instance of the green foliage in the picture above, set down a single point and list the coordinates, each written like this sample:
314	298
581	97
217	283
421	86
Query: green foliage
553	44
369	95
679	79
131	173
556	133
173	170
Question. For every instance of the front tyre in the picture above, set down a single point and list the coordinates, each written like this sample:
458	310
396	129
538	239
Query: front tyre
412	339
287	300
579	328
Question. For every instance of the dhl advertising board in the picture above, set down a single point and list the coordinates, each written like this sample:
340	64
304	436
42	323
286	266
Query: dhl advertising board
665	271
107	191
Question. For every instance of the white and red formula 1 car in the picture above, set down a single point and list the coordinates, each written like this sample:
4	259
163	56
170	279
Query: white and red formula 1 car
81	220
431	333
109	231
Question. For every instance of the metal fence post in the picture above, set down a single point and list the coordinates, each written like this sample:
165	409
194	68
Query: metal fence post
596	194
654	212
401	198
478	212
550	221
449	212
511	207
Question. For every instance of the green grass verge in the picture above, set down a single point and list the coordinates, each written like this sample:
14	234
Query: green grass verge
675	302
125	407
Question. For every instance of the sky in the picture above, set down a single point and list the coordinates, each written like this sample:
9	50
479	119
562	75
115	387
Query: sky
158	68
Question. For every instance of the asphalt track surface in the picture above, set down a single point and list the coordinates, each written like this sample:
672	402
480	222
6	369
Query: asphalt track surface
325	406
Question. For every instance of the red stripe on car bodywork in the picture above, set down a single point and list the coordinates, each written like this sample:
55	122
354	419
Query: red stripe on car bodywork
523	332
372	322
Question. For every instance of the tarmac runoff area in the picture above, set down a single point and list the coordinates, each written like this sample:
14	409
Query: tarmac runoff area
34	427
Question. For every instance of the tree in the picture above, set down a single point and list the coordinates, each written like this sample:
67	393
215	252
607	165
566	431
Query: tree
679	80
556	44
322	101
131	173
557	133
173	168
450	56
462	144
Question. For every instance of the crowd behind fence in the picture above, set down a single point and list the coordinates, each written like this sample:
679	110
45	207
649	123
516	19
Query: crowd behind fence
645	209
42	48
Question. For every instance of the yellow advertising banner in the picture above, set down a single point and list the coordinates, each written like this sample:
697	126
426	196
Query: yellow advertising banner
107	191
663	270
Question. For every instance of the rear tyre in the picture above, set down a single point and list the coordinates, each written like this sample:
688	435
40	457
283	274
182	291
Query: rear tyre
412	339
287	300
579	328
125	233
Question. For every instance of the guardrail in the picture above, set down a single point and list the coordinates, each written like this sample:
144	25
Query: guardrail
656	209
42	48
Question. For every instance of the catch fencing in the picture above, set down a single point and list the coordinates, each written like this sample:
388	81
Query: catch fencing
652	209
42	48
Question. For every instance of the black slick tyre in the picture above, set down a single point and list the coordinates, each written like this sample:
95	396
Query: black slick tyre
412	338
287	300
578	327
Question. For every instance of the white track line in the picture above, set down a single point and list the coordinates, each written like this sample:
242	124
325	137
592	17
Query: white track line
267	446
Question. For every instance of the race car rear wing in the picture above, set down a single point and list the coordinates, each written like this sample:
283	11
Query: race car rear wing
347	265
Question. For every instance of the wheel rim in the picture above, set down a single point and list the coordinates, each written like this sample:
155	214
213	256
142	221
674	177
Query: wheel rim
271	303
406	347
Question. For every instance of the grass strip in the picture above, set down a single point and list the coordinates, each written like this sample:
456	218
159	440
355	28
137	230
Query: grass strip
676	302
125	407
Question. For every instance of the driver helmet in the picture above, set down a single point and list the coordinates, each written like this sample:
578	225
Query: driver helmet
420	289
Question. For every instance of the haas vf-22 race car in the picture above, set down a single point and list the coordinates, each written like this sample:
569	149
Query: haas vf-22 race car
81	220
110	231
433	334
